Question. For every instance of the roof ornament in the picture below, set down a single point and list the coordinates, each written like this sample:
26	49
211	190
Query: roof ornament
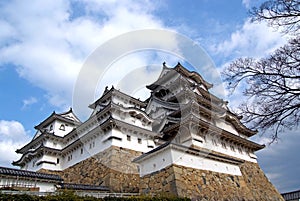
106	89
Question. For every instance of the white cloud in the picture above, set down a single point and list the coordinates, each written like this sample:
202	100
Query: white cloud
12	137
49	45
252	40
28	102
246	3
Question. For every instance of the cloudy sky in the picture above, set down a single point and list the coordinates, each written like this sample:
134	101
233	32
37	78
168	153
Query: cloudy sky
44	45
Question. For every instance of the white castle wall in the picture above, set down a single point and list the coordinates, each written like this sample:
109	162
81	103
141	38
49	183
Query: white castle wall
129	140
168	156
42	185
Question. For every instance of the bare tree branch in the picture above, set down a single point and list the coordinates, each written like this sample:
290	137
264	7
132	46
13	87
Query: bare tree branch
279	14
272	86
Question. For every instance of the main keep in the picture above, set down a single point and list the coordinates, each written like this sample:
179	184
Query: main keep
182	140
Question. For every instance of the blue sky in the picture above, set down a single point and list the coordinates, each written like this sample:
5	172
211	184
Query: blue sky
44	44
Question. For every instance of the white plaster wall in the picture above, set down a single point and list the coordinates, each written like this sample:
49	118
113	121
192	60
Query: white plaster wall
228	151
156	162
228	127
44	186
133	144
190	137
89	148
203	163
100	143
54	144
31	165
49	166
125	117
170	156
57	125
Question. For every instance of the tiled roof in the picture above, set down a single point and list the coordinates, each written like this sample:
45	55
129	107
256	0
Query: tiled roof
31	174
294	195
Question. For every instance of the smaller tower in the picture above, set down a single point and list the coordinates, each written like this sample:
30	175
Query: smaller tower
44	150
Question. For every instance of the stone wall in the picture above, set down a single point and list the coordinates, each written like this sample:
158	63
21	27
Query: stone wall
112	168
181	181
160	182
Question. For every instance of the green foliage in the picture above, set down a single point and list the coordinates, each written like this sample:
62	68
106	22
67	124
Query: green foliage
21	197
71	196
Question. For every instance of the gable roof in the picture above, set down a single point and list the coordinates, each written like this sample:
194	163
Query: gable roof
179	69
112	91
67	117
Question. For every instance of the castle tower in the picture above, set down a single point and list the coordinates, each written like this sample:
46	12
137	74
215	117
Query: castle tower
44	151
205	150
182	140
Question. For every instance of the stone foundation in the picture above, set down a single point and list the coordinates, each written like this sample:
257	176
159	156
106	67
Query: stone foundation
181	181
112	168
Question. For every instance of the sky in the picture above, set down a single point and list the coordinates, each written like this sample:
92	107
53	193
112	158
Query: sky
44	45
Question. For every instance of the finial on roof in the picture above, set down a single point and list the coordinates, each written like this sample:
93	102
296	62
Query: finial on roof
112	87
106	89
164	64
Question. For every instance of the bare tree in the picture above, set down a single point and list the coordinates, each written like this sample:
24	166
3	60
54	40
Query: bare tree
272	84
283	14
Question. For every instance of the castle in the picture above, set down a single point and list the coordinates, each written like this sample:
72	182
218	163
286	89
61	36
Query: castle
182	140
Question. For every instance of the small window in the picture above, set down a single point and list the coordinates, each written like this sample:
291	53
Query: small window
57	161
90	145
81	151
139	140
62	127
51	127
93	144
128	138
